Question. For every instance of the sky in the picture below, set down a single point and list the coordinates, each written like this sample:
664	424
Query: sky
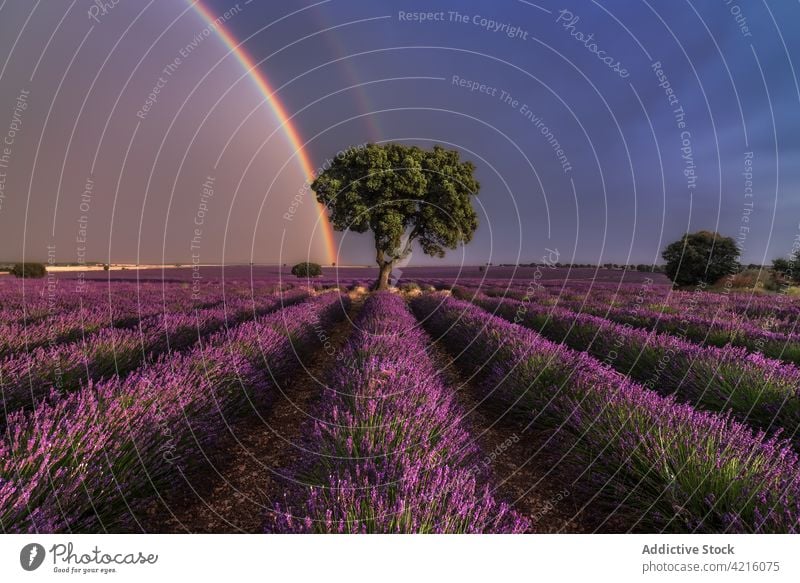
601	130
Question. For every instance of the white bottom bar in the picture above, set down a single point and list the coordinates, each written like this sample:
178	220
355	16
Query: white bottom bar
333	558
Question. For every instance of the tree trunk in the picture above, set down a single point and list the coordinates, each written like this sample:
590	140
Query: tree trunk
383	276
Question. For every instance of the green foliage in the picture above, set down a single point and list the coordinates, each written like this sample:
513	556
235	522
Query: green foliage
787	268
402	194
702	257
410	286
781	265
307	269
774	281
29	270
753	280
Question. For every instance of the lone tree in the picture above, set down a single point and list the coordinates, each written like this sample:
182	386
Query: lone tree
29	270
307	269
701	257
403	194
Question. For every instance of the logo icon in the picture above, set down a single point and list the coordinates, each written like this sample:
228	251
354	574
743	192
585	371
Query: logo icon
31	556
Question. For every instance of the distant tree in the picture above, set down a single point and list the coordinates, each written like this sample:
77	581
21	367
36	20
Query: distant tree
789	269
29	270
307	269
107	266
403	194
781	265
701	257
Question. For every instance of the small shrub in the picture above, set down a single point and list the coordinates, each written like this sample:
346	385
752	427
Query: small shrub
462	293
307	269
752	280
409	286
775	282
29	270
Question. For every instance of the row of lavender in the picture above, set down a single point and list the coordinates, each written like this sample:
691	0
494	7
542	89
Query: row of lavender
391	454
30	301
757	390
28	323
705	316
28	377
642	456
769	312
90	460
698	318
712	329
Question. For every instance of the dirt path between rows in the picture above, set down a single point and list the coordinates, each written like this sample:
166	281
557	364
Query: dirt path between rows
520	464
247	472
509	460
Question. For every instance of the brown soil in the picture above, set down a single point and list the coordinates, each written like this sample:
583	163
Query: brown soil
247	473
520	465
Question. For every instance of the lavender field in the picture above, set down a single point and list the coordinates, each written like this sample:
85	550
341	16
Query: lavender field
462	401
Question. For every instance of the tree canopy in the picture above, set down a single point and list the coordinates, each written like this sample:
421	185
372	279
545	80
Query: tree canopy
787	268
29	270
701	257
307	269
403	195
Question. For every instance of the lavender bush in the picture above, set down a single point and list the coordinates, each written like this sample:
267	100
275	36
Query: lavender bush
87	461
757	390
27	378
393	455
659	464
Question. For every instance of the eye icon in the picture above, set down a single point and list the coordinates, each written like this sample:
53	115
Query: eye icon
31	556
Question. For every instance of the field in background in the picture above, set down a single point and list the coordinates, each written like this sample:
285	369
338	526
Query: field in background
346	275
503	400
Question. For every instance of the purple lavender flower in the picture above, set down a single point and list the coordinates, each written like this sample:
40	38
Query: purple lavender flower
393	455
644	454
86	460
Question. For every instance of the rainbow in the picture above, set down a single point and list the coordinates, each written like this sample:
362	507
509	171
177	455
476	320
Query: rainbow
278	109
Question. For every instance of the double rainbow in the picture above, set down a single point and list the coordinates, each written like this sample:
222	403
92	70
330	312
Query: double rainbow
278	109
